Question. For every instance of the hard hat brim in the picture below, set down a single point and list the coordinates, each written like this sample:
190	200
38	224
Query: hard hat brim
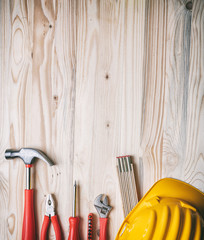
168	188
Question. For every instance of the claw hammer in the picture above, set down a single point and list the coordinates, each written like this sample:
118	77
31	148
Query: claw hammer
28	155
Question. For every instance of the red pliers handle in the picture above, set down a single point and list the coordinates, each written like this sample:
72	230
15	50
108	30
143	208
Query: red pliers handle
45	226
50	216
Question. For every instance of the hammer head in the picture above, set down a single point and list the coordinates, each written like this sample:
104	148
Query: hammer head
27	155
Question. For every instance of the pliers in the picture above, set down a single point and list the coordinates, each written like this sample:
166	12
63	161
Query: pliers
50	214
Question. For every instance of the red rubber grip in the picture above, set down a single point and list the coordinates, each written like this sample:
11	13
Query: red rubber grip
28	232
44	230
28	165
73	228
56	226
103	228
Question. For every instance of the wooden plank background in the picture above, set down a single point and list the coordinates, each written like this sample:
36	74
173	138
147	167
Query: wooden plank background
86	81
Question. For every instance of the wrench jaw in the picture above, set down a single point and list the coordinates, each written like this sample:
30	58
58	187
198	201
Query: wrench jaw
102	206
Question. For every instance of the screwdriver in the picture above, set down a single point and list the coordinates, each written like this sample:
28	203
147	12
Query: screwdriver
74	221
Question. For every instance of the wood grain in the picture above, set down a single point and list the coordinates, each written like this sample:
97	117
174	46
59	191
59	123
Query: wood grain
153	91
177	76
86	81
194	162
182	157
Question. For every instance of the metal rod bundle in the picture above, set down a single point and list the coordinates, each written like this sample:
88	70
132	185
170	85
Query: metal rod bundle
127	183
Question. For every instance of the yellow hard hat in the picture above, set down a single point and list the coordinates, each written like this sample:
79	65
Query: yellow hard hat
170	210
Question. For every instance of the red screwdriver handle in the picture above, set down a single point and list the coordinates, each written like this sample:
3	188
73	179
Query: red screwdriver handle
103	228
28	232
73	228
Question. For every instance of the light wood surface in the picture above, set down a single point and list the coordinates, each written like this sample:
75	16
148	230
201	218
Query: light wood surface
86	81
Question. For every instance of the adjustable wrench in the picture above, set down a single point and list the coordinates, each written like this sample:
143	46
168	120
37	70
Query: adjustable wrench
103	210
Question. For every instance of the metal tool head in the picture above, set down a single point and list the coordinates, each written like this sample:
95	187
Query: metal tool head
27	155
102	206
50	206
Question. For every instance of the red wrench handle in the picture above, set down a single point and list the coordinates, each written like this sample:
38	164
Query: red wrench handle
28	219
103	228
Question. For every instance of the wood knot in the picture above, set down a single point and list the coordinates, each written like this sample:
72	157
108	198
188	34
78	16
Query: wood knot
11	223
189	5
107	76
55	98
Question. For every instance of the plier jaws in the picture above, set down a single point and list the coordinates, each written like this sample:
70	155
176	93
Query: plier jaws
50	216
49	206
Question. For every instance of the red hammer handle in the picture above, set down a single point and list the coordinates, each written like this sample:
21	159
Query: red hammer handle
28	232
103	228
